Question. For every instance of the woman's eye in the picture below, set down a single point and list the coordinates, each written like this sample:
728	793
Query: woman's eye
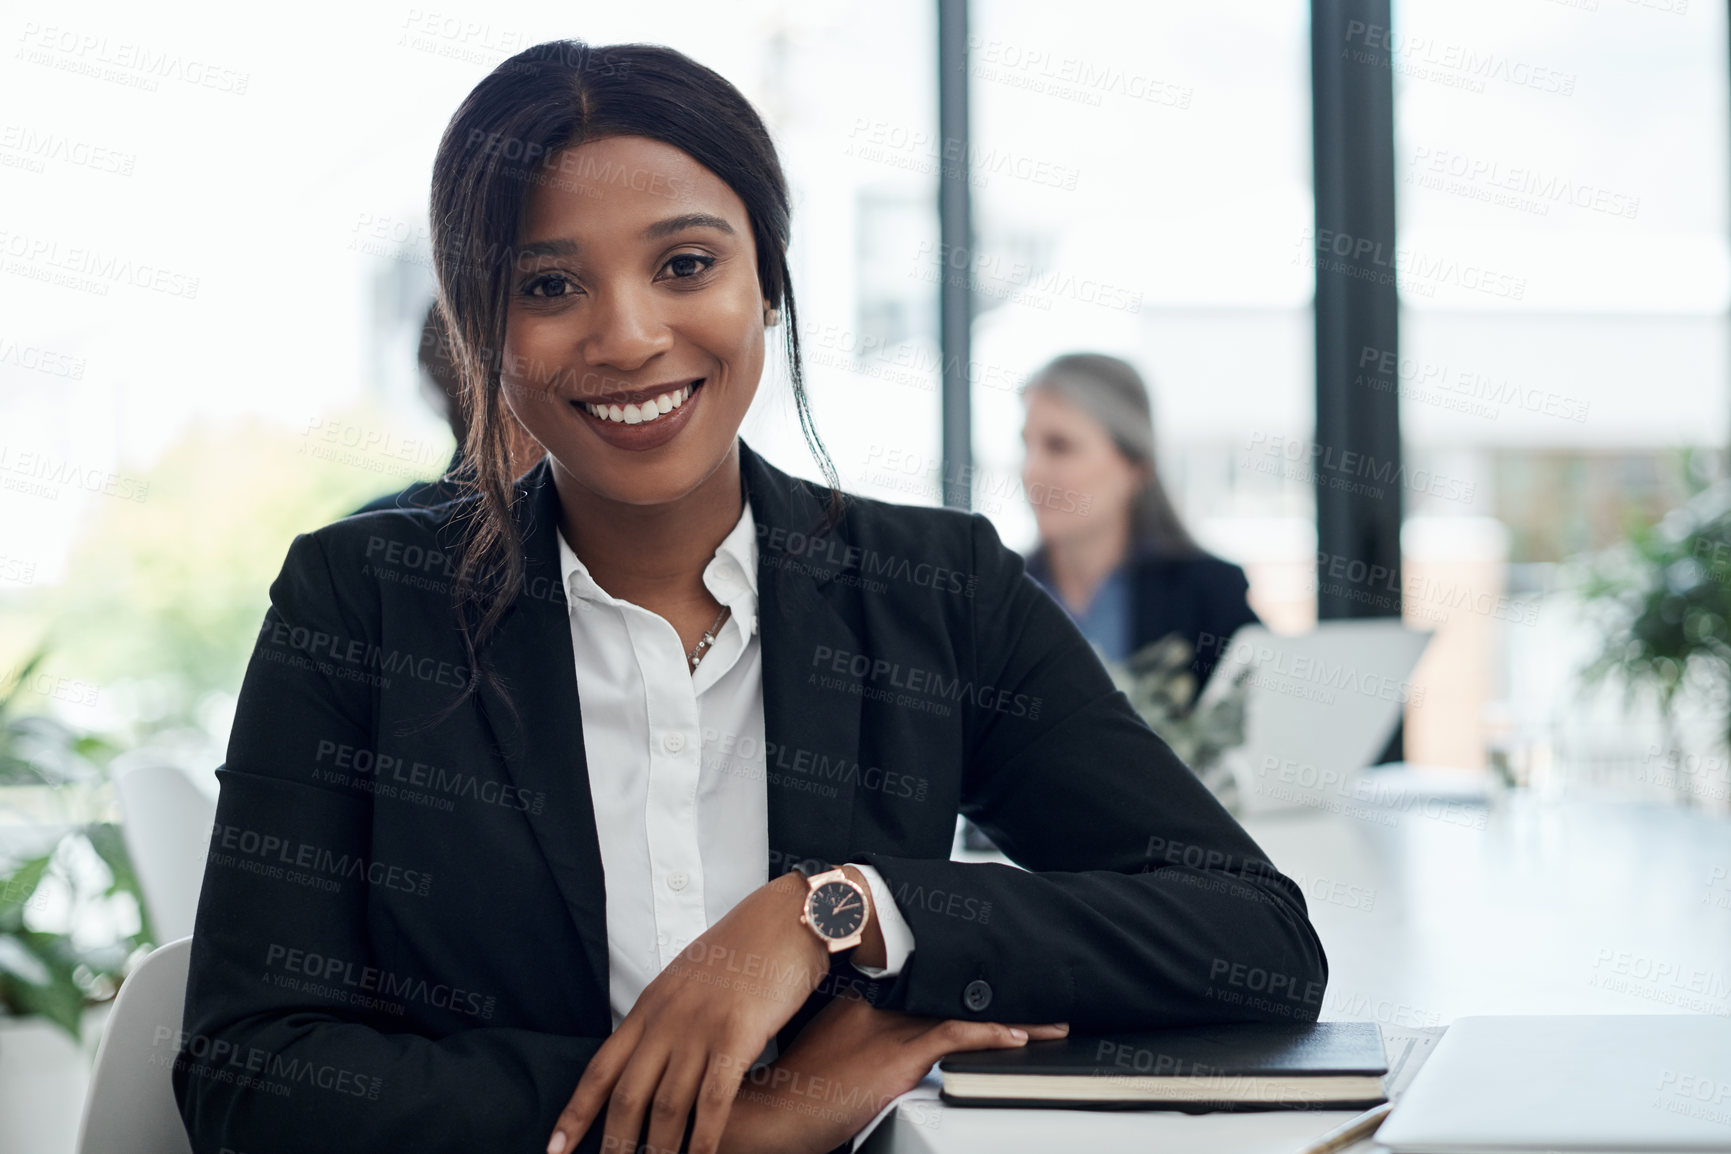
556	285
688	265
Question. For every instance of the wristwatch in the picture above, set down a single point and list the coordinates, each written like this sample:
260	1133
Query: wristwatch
836	909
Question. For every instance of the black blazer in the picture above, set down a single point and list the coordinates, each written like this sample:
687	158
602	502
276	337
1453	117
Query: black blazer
1202	599
401	941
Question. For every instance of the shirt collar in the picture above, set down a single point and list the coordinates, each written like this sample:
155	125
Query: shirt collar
734	568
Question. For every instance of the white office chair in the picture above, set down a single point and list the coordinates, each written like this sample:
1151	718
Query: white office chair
130	1107
165	819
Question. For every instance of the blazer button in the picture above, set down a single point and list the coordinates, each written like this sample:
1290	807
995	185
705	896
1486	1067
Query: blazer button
977	996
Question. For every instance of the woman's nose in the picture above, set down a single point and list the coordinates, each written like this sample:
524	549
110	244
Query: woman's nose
625	330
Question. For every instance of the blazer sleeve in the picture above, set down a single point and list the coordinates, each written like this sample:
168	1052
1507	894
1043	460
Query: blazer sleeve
1143	903
264	1067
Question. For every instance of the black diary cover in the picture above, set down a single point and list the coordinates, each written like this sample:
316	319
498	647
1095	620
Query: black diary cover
1231	1059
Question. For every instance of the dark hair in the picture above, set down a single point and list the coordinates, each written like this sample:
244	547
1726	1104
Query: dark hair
442	385
504	141
1110	390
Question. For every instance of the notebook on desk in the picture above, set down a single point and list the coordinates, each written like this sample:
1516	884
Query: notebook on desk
1236	1066
1613	1084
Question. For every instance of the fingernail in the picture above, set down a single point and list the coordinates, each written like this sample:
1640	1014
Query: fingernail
557	1145
1064	1026
1019	1035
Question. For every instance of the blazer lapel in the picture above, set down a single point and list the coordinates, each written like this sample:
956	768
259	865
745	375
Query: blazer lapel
812	732
539	729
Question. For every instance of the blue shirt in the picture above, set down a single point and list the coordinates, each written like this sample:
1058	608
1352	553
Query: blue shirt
1106	620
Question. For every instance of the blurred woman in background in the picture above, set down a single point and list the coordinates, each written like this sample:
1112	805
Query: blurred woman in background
1112	550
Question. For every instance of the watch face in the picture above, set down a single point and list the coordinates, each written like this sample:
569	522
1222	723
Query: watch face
835	910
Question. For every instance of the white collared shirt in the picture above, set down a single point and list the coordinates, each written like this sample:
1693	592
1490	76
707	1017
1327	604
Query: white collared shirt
677	768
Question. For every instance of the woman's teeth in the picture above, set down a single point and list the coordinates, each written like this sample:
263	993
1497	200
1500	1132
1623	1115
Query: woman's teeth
643	411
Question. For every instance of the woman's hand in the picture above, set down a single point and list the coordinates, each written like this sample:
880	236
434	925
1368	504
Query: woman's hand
699	1026
848	1063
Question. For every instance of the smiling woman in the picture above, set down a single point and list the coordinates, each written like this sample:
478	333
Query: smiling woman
643	214
681	802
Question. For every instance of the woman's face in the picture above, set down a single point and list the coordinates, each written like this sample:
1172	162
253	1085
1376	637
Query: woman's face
1076	480
638	287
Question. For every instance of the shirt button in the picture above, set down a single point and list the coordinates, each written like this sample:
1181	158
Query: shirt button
673	741
977	995
679	879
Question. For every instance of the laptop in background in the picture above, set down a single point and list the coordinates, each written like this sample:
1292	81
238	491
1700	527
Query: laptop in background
1319	707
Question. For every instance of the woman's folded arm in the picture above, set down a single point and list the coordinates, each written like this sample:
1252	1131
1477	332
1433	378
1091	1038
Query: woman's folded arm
289	1041
296	1036
1148	904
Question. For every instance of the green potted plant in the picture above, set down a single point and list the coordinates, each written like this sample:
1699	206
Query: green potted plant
1162	689
1662	601
62	898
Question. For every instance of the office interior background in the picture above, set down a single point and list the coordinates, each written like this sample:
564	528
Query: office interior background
216	262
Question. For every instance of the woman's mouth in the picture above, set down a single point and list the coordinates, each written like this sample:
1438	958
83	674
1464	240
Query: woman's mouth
643	412
647	421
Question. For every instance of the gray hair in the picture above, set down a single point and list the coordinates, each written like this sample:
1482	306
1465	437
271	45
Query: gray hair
1110	390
